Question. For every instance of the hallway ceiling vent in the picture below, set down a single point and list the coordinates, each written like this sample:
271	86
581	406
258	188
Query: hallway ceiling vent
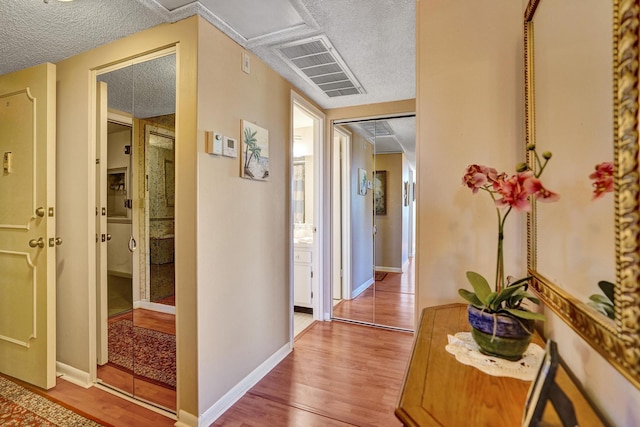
377	128
317	61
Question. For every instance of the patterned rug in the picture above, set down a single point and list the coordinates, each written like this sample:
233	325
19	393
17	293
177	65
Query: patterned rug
21	407
155	352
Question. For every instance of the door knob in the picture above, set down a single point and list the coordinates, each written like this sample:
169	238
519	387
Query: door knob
108	237
40	212
58	241
37	243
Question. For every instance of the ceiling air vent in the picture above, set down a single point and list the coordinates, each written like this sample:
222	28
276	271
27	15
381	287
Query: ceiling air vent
317	61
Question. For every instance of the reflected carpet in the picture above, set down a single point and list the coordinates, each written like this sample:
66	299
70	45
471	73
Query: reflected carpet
22	407
155	352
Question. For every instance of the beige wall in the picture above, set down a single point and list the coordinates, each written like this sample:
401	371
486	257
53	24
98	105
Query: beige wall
361	216
243	252
76	188
392	235
470	110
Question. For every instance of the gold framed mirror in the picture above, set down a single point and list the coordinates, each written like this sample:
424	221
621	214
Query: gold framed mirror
554	260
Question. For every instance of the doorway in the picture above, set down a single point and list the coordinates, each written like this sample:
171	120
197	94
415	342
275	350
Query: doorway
135	180
306	213
373	221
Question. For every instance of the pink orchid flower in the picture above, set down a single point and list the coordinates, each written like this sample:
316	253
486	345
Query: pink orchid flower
476	176
515	191
603	179
535	187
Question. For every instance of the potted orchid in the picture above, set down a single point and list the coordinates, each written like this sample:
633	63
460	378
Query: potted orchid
501	325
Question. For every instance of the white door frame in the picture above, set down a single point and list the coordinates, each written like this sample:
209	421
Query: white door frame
318	262
342	207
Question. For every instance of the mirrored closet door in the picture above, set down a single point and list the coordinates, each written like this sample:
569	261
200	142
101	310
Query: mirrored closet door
135	222
377	184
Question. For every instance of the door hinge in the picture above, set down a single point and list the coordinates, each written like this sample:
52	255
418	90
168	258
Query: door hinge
312	274
97	161
128	203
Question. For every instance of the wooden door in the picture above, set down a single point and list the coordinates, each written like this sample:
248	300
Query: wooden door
27	225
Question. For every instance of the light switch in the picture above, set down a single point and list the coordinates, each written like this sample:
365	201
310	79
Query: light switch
246	63
7	162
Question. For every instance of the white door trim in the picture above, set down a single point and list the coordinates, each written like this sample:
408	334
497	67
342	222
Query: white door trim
318	258
345	207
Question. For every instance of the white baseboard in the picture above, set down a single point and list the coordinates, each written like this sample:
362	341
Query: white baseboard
360	289
388	269
154	306
73	375
232	396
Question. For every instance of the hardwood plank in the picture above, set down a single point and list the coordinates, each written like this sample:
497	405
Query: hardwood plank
388	302
157	321
345	372
252	410
106	406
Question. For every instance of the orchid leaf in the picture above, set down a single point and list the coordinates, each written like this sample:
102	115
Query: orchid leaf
599	299
470	297
607	289
479	284
525	314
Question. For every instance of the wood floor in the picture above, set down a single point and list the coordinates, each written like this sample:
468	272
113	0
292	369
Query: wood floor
339	374
389	302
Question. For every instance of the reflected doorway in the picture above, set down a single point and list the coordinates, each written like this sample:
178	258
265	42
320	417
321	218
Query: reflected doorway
373	276
135	187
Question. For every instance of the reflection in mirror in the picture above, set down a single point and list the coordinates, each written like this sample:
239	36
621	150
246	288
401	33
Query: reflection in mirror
573	110
380	286
141	359
570	101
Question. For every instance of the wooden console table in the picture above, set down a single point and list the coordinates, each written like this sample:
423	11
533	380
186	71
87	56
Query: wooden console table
440	391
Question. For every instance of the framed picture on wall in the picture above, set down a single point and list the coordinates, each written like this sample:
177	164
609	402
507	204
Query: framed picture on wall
380	192
362	182
255	152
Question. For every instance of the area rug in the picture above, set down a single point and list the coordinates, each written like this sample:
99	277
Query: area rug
155	352
380	275
22	407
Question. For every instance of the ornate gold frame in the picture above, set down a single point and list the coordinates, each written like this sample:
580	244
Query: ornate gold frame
619	343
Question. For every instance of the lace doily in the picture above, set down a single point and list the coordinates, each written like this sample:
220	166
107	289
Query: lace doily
467	352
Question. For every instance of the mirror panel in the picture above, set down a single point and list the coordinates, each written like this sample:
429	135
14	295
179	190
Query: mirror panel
381	291
141	334
573	111
568	112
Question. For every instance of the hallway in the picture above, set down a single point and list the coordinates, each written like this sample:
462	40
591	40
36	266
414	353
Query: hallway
389	301
339	374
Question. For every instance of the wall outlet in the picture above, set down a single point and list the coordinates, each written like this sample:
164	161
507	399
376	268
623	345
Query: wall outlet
246	63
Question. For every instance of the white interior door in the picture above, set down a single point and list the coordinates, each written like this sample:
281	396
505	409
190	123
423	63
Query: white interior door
27	225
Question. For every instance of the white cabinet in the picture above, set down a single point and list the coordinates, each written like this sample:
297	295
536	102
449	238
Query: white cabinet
302	276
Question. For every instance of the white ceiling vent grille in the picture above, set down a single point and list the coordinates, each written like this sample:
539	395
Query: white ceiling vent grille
317	61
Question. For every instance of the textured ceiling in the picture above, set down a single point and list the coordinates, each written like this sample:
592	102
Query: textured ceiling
33	32
375	38
146	89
